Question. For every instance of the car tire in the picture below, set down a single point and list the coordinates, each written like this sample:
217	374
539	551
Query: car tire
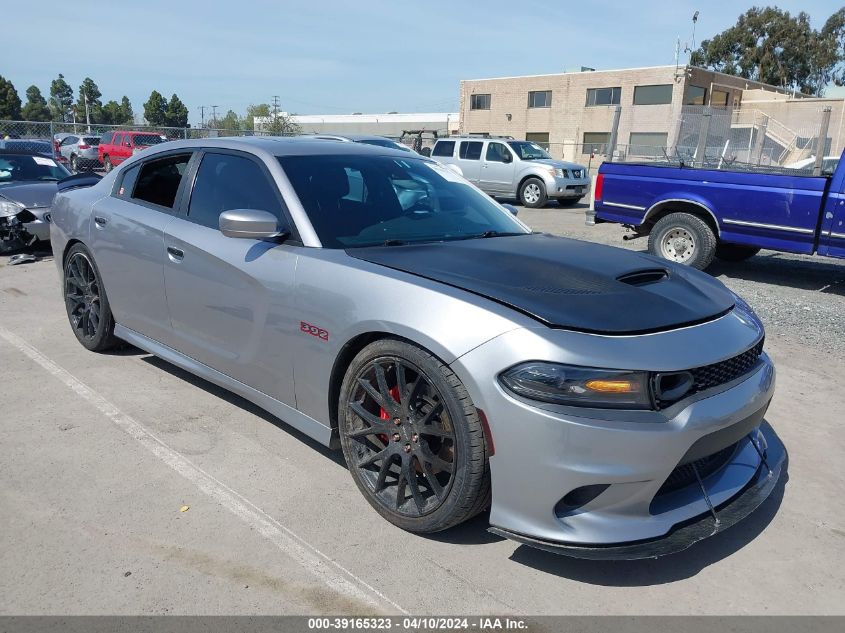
107	166
568	202
86	303
683	238
735	252
73	163
412	438
532	193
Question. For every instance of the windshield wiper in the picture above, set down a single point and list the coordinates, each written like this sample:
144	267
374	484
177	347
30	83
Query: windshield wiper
492	233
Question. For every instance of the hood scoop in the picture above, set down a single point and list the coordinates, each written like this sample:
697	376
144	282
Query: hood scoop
565	283
643	277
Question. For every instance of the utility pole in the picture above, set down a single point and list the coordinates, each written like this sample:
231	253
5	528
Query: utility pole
87	112
202	114
214	114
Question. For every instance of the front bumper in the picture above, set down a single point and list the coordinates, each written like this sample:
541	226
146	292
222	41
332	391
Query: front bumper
544	452
568	188
733	511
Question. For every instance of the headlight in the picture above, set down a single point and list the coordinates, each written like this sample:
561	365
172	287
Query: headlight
579	386
8	209
560	173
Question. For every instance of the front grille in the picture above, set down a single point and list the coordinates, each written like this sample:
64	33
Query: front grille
726	370
684	475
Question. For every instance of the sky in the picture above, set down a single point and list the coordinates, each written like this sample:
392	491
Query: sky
330	56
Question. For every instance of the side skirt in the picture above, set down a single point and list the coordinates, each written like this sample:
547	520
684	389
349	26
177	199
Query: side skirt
289	415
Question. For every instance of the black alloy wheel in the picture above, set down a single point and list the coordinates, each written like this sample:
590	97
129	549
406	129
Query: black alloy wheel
415	451
86	302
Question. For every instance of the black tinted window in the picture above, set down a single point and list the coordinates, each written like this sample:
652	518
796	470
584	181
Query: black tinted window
159	180
225	182
471	150
497	152
444	148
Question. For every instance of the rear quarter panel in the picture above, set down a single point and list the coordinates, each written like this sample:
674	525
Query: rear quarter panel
788	205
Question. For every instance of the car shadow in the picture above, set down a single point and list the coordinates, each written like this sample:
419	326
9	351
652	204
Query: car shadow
666	569
821	275
242	403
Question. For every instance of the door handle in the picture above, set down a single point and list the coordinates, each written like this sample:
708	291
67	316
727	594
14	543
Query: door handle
100	221
175	254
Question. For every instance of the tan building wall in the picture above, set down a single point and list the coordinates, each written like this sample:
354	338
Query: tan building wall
569	118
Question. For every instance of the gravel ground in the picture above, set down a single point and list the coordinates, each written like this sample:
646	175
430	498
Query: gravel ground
801	298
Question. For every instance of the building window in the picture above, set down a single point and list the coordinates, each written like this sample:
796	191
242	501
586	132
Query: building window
720	98
604	96
696	96
647	143
541	138
479	102
653	95
596	142
540	99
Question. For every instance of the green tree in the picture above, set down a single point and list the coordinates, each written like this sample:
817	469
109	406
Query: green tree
35	108
155	109
10	102
772	46
260	110
110	114
176	113
61	99
126	113
89	95
230	122
833	32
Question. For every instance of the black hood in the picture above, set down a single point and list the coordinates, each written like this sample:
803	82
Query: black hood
566	283
30	194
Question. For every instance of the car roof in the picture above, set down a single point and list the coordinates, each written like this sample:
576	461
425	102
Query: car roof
284	146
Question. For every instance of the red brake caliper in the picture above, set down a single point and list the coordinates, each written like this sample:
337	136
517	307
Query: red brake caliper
384	415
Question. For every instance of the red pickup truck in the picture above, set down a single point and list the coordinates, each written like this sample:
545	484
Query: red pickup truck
116	147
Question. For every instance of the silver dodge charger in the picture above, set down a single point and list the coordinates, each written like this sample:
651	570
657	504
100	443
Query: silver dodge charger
601	403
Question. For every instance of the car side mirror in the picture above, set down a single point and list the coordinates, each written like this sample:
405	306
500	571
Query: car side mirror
251	224
507	158
513	210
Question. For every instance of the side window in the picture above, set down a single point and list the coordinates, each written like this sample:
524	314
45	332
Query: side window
158	180
127	182
118	139
497	152
70	140
471	150
444	148
225	182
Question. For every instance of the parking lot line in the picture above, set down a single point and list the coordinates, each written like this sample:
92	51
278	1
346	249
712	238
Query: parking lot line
329	571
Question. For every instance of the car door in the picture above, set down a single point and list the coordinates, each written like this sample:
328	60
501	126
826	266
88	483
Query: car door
124	150
497	169
832	236
127	240
230	298
469	159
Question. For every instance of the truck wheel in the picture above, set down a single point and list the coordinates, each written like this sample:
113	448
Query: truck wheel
683	238
532	193
412	438
107	163
735	252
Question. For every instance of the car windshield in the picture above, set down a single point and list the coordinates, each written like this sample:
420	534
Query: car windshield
527	150
148	139
386	142
355	200
17	168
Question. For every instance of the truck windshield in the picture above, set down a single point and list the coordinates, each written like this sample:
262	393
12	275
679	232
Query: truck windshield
364	200
527	150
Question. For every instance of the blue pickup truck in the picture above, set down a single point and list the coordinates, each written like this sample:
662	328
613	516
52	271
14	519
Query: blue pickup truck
693	215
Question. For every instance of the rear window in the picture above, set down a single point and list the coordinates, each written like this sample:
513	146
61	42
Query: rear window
91	140
148	139
471	150
444	148
106	138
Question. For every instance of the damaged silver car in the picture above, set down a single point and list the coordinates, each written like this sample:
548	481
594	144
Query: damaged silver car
27	188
